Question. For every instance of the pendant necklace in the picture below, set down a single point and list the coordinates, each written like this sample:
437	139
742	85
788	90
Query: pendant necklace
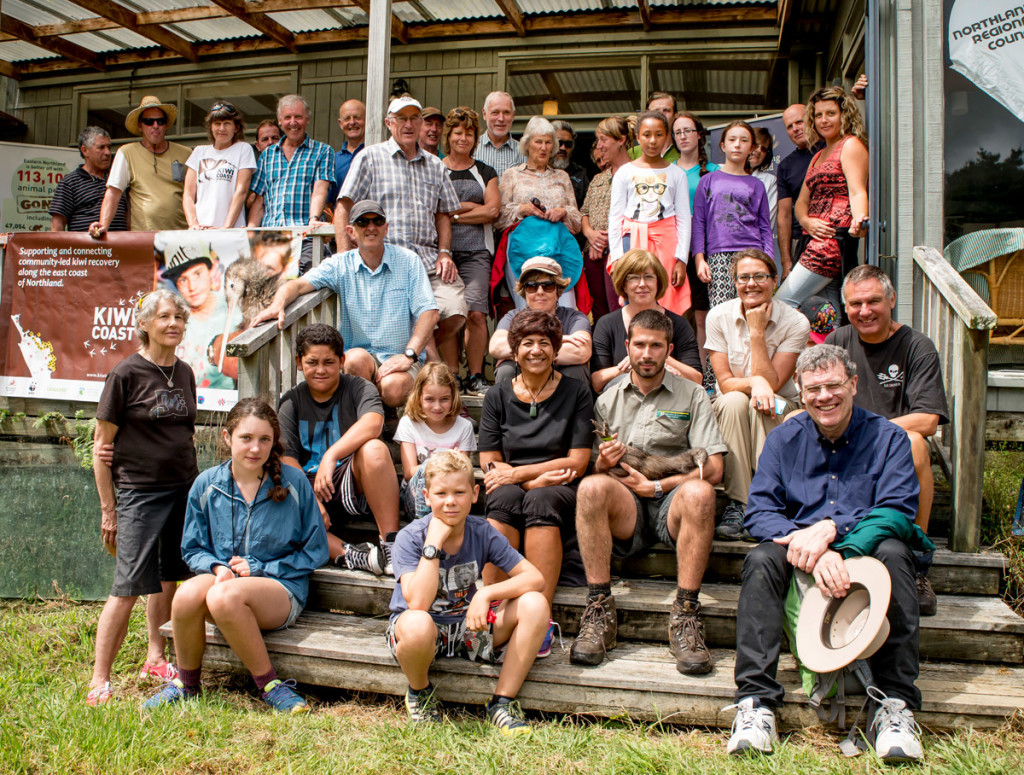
533	401
169	378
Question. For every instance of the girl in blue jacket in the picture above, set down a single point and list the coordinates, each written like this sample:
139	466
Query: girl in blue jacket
253	535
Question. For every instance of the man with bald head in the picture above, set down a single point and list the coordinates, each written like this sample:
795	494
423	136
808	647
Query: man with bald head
352	120
790	177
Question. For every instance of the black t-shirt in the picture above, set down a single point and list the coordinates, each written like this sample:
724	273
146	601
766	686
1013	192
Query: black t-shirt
309	428
610	341
563	422
790	177
156	422
898	376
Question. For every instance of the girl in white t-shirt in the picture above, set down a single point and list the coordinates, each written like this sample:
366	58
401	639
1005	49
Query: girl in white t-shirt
218	176
431	422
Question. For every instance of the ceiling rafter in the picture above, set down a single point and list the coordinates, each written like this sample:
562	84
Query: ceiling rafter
399	29
645	14
514	14
260	21
25	32
129	21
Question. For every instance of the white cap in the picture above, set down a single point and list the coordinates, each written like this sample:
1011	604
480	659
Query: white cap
403	102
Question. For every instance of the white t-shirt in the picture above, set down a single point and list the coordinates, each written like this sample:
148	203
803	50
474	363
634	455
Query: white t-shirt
216	173
648	196
460	436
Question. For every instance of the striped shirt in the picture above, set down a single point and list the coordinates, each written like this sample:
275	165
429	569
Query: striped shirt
500	157
287	186
78	198
411	191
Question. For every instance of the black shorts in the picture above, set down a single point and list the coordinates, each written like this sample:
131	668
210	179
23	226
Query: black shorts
347	501
699	300
149	525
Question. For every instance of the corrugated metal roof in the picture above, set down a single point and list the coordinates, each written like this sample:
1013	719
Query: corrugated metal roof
211	30
165	5
454	10
54	12
18	51
314	21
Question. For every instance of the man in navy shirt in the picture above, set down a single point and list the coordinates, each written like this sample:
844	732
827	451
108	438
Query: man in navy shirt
820	475
791	173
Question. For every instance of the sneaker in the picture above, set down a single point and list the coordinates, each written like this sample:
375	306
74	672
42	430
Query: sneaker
476	384
282	697
549	638
897	737
508	717
173	691
598	631
365	556
422	706
165	672
386	547
753	729
731	527
686	639
99	695
926	596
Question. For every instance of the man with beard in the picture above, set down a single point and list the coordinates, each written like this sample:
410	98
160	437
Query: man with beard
562	160
661	414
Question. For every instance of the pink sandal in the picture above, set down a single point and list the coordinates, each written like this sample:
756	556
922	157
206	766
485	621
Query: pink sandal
165	672
99	695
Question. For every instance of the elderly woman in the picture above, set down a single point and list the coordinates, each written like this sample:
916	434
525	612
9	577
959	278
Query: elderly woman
540	285
218	175
640	278
147	411
541	198
535	440
476	185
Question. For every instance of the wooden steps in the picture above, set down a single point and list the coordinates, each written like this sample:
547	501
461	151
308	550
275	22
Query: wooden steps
639	680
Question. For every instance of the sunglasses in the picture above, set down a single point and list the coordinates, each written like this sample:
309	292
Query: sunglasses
533	285
566	143
223	107
162	121
362	223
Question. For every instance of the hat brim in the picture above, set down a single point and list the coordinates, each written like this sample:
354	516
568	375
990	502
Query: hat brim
870	587
131	121
178	271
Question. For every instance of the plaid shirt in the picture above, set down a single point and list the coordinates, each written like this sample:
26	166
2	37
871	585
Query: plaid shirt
411	191
500	157
286	187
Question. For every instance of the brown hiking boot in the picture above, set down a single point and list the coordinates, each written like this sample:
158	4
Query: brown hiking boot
686	639
598	630
926	599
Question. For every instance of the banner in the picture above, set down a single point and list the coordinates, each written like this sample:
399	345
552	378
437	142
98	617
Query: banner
29	175
67	313
782	146
986	46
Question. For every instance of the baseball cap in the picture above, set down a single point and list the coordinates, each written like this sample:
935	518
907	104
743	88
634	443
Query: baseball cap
185	253
428	112
366	207
403	102
822	316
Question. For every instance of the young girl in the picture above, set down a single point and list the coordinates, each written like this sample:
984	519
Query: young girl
650	210
431	422
730	213
253	534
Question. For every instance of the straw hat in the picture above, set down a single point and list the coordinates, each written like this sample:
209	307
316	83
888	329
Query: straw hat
833	632
131	121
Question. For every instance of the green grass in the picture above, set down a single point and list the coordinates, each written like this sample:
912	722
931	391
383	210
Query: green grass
45	726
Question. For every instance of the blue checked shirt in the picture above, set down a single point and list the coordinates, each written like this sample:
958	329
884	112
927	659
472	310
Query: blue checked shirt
501	158
286	186
379	309
411	191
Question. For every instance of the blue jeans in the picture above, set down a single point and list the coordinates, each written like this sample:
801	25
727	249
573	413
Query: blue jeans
802	283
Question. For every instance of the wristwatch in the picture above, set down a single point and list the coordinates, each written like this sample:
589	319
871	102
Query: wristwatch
411	354
658	492
430	552
455	217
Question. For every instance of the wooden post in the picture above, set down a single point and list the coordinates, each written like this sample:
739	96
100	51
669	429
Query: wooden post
968	458
378	69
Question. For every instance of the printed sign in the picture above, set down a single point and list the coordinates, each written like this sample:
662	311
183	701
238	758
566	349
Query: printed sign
29	175
986	46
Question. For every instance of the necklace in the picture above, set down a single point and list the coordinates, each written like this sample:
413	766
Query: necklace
166	376
533	396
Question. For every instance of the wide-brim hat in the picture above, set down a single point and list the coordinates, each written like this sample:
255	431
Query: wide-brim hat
833	632
131	121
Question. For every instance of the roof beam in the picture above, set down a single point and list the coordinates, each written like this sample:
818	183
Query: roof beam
65	48
514	15
259	21
6	68
129	21
399	30
645	14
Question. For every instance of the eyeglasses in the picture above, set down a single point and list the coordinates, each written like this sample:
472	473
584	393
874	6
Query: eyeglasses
161	121
405	119
546	285
686	132
633	279
224	107
758	278
816	390
566	143
362	223
657	188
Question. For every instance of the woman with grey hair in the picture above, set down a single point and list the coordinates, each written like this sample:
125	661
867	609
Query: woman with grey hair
144	462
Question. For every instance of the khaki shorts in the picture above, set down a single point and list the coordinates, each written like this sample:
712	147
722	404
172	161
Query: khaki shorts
450	297
412	371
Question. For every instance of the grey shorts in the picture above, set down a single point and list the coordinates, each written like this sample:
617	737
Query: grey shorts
475	270
412	372
454	640
149	525
293	612
651	526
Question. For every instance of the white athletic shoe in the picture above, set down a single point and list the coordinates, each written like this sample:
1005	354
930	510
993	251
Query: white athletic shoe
897	736
753	729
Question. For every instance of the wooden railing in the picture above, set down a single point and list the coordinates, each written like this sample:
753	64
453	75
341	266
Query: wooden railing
955	318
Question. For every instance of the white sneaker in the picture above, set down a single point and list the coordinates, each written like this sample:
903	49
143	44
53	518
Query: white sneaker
753	729
897	736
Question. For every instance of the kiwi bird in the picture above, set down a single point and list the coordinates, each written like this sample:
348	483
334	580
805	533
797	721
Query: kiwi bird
654	466
249	286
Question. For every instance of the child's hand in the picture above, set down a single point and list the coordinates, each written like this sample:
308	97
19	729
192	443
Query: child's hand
323	485
239	565
438	531
223	573
476	614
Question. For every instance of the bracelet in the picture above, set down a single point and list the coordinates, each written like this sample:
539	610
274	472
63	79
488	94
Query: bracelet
443	250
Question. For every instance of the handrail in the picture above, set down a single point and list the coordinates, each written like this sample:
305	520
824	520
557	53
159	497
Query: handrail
954	317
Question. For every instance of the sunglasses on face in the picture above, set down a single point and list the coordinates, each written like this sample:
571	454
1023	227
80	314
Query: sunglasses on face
566	143
362	223
161	121
546	285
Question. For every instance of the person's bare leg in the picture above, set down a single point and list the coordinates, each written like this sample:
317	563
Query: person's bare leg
491	573
395	388
476	341
241	608
359	363
374	471
925	478
415	636
691	523
446	338
110	632
605	509
188	620
700	317
542	546
522	623
158	611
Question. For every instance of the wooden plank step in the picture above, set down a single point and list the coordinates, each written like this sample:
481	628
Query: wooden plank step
638	680
967	627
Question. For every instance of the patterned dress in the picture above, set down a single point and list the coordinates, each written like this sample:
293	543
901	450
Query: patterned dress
829	201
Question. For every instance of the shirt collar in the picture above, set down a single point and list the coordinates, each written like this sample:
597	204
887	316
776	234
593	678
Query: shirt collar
856	418
394	148
345	150
361	265
667	383
773	318
486	140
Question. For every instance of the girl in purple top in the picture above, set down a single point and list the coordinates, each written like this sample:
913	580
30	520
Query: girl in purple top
730	213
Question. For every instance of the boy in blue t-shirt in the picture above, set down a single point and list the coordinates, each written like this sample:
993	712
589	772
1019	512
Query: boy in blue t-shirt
436	609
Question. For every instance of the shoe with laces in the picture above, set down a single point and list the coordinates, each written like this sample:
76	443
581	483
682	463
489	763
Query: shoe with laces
282	697
365	556
508	718
599	629
926	599
477	384
173	692
99	695
165	672
895	735
731	527
686	639
422	706
549	639
753	729
386	547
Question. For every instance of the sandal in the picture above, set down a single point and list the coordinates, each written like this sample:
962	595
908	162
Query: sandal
99	695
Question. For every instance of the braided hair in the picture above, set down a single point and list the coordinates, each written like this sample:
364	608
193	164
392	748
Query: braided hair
261	410
702	148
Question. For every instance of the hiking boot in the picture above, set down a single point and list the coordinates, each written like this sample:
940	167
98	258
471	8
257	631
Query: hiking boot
280	696
422	706
386	547
926	596
753	729
686	639
731	527
365	556
508	717
476	385
598	630
896	736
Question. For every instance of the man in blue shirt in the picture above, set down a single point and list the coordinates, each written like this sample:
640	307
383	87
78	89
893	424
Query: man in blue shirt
388	311
819	476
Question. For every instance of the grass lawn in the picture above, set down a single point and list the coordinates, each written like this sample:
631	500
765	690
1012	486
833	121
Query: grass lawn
45	726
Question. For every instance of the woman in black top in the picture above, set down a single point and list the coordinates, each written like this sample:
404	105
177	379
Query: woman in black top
535	439
147	412
640	278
